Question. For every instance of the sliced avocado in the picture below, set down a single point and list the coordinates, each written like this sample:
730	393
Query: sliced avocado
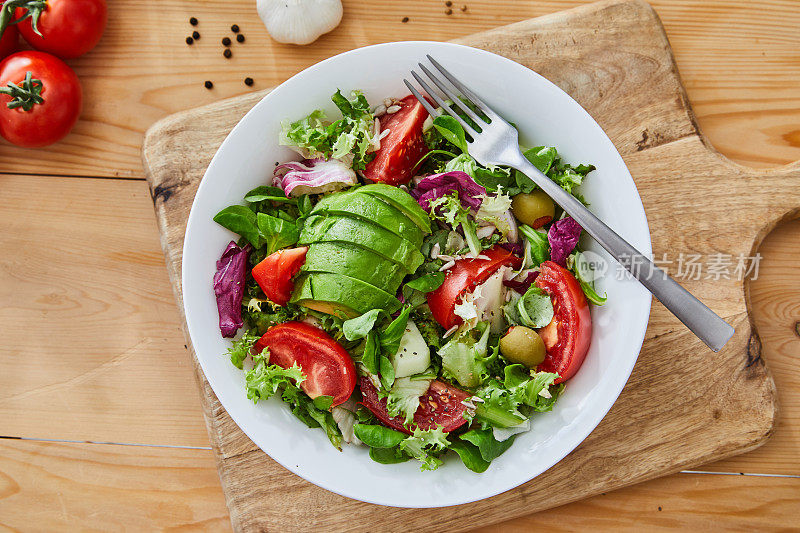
337	228
338	294
373	210
401	200
356	262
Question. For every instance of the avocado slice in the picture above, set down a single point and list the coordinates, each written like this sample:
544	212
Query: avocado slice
371	209
337	294
401	200
337	228
356	262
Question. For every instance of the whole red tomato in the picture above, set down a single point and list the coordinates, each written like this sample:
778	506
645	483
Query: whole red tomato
9	41
46	103
66	28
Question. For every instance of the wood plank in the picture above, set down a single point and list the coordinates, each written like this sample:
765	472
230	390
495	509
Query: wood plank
737	57
54	486
63	486
92	348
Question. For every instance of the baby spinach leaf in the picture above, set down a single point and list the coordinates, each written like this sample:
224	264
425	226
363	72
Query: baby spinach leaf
452	131
427	283
323	402
489	447
388	456
242	220
360	326
535	308
276	232
372	353
264	192
470	456
390	338
377	436
387	372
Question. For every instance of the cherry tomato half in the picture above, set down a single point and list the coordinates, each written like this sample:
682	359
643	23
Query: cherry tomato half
403	147
328	368
274	274
439	406
568	335
46	122
463	277
69	28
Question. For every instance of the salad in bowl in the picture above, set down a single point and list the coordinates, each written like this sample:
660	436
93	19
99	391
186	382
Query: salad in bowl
397	295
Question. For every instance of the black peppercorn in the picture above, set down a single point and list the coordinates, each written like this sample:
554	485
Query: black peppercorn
196	35
448	3
240	38
248	81
189	40
209	85
448	12
226	41
405	19
235	28
193	21
227	53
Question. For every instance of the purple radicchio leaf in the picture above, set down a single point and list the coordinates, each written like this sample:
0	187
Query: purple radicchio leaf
313	176
438	185
563	237
522	286
513	247
229	287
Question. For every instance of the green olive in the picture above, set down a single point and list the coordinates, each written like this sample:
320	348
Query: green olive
534	209
523	345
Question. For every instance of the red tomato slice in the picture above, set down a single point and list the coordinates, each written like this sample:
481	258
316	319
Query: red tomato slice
568	335
274	274
328	368
440	406
403	147
463	277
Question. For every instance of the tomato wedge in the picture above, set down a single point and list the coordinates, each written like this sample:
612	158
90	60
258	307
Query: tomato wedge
568	335
274	274
328	368
403	147
463	277
439	406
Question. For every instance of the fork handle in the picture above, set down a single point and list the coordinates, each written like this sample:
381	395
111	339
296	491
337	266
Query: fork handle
707	325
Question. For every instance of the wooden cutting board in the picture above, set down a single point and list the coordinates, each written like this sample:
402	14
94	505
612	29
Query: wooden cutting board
683	405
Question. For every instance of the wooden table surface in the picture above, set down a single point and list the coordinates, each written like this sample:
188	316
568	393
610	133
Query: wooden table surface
99	414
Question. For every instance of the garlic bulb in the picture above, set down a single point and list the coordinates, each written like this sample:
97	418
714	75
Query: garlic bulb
299	21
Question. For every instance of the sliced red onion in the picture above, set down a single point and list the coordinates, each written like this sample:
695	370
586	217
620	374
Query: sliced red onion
521	286
313	176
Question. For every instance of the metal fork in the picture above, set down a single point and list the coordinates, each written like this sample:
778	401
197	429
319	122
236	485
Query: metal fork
496	142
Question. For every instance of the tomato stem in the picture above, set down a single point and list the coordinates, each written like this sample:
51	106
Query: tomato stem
33	9
25	96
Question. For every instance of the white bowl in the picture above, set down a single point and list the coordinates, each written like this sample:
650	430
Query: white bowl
545	115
